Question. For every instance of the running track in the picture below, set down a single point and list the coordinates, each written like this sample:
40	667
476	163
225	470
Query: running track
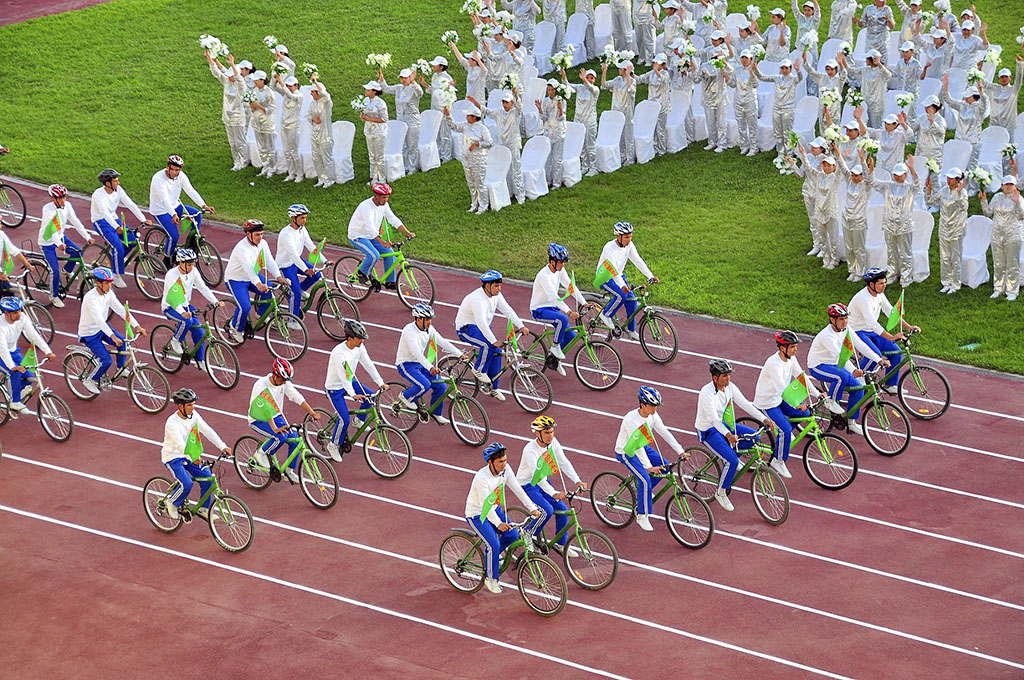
913	571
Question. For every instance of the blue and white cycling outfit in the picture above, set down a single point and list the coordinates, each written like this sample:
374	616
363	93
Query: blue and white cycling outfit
412	364
103	213
473	326
11	356
66	217
711	428
241	278
864	309
95	332
823	363
776	375
487	527
275	440
547	305
364	232
172	454
543	493
645	456
165	204
290	244
189	282
618	257
341	381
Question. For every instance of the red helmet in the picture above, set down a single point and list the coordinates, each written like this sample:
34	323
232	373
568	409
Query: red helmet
175	160
837	311
253	225
381	189
783	338
283	369
57	191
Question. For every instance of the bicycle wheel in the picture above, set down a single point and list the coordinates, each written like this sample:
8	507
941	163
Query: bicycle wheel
155	499
469	420
467	383
388	451
331	312
535	350
658	338
771	497
318	480
415	285
222	364
222	322
613	499
160	338
924	392
95	255
252	474
149	276
12	206
462	563
531	389
316	433
689	519
41	319
77	367
149	389
598	365
542	585
596	563
345	278
830	461
153	241
700	472
231	523
394	411
5	413
37	283
886	427
286	336
209	262
55	417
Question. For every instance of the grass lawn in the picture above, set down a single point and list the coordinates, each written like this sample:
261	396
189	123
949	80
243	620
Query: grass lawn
125	84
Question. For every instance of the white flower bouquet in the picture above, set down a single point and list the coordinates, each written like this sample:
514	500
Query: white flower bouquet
689	26
905	100
981	176
783	167
609	56
993	56
379	61
708	17
1020	38
510	82
932	165
830	96
719	63
845	48
280	68
423	66
472	7
1009	151
310	70
756	48
628	55
249	96
214	45
834	135
854	97
563	92
792	140
483	31
808	38
359	103
450	37
503	17
689	49
942	5
448	96
270	41
974	76
753	12
563	59
870	146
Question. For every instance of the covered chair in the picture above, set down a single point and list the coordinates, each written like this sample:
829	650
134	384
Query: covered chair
344	136
572	150
609	135
644	122
924	224
499	159
430	123
534	162
394	161
675	124
974	256
575	34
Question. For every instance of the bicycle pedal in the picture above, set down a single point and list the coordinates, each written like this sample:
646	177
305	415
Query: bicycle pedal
615	333
422	416
551	362
376	286
275	475
186	515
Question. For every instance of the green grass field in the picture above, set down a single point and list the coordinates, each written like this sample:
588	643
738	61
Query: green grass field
125	84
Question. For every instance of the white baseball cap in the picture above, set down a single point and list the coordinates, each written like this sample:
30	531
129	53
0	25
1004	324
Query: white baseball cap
966	11
832	63
677	43
439	61
747	53
405	73
281	48
969	92
516	37
291	80
874	54
778	11
819	142
591	72
1009	179
857	170
851	125
933	100
954	173
625	63
938	34
915	2
891	119
967	25
900	169
907	46
245	63
808	4
473	111
659	58
785	63
1004	72
717	35
484	12
259	75
552	82
507	97
671	4
372	85
829	159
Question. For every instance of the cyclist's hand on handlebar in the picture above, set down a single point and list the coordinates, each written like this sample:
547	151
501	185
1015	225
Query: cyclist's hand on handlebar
559	496
524	331
434	370
186	315
573	315
465	356
283	281
582	486
770	424
209	209
262	287
656	469
149	223
535	513
220	303
51	356
884	363
18	369
857	373
915	329
654	279
504	526
498	343
175	219
142	331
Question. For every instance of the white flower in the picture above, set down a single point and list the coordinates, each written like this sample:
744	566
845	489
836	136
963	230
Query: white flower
974	75
808	38
609	56
483	31
224	50
504	18
846	48
359	103
380	61
783	167
279	67
210	43
707	18
757	49
689	26
270	41
310	70
563	59
830	96
471	7
563	92
904	100
448	96
450	37
753	12
992	56
510	82
834	134
942	5
932	165
870	146
854	97
423	66
1009	151
981	176
249	96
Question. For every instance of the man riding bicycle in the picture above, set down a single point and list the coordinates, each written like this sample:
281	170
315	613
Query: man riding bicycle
266	414
56	216
864	310
341	382
548	306
371	232
290	244
611	266
95	332
165	203
416	361
177	303
13	325
249	268
182	449
103	214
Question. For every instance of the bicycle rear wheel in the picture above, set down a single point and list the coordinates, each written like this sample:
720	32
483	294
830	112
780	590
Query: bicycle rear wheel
689	519
700	472
40	318
924	392
388	451
394	411
462	563
149	276
596	563
462	371
222	322
535	350
771	497
598	365
155	498
830	461
613	499
415	285
317	433
286	336
167	359
94	255
886	427
37	283
345	278
153	242
231	523
658	338
222	364
77	367
252	474
319	481
331	312
5	400
149	389
469	420
209	262
12	207
542	585
55	417
531	389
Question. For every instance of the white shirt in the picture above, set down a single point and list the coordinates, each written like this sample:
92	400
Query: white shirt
7	244
341	355
864	309
368	217
631	422
484	483
9	334
95	310
243	259
191	281
103	206
412	345
290	243
618	258
277	392
828	343
711	405
479	309
528	465
66	217
776	375
176	431
165	193
546	287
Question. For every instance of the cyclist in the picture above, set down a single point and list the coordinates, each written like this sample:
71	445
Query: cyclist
8	254
249	268
95	332
713	401
341	382
55	217
415	360
103	214
616	253
371	230
547	498
266	414
548	306
290	243
778	372
642	461
473	326
493	527
823	360
182	448
177	302
165	202
864	309
14	325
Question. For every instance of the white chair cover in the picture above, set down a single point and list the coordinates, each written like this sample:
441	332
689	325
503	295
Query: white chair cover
534	161
890	101
874	241
644	122
529	73
344	135
973	260
925	89
609	134
924	223
829	50
602	26
768	68
675	124
499	158
572	150
394	161
458	111
805	116
575	33
430	123
993	139
1018	135
535	90
543	45
765	132
734	21
956	153
700	118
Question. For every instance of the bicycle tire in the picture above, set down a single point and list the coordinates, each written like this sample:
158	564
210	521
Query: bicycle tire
883	424
5	400
222	321
282	340
318	480
830	461
235	536
12	207
331	312
37	283
94	255
701	472
149	389
531	389
465	380
249	471
149	276
55	417
538	572
535	352
160	347
415	285
222	364
155	494
771	497
388	452
344	274
606	497
316	433
689	519
469	420
78	366
598	365
395	413
41	319
658	338
597	561
153	241
920	399
462	563
209	262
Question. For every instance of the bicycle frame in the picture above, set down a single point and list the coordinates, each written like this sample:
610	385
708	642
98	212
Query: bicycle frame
214	490
642	294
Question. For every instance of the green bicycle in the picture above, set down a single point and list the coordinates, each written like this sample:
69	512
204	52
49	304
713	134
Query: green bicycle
147	269
317	478
332	307
229	517
387	450
12	206
413	283
539	580
53	413
37	313
221	361
922	390
147	387
530	388
284	334
886	425
658	337
829	459
596	363
209	263
687	515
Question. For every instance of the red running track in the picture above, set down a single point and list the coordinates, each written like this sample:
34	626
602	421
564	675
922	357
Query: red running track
907	573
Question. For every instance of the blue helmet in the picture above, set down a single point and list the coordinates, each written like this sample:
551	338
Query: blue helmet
296	209
491	276
102	274
11	304
421	310
622	228
873	274
649	395
185	255
558	252
493	451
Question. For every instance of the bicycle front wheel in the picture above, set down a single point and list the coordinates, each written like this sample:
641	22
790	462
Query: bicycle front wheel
331	312
252	474
887	428
222	322
153	241
286	336
394	411
156	496
149	276
700	472
598	365
317	433
462	563
5	400
658	338
467	383
924	392
55	417
415	285
222	364
613	499
77	367
388	451
12	206
231	523
319	481
345	278
166	358
542	585
211	266
41	319
689	519
591	560
37	283
469	420
531	389
149	389
771	497
830	461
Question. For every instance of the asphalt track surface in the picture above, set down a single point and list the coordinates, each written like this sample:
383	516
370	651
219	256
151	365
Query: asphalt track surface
910	572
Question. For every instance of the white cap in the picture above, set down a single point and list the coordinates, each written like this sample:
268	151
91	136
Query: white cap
405	73
832	63
857	170
891	119
808	4
1009	179
818	142
747	53
677	43
829	159
967	25
659	58
591	72
372	85
874	54
484	12
439	61
907	46
851	125
954	173
473	111
291	80
507	96
1004	72
717	35
670	4
778	11
937	34
785	63
969	92
259	75
625	63
516	36
900	169
552	82
281	48
966	11
915	2
245	63
933	100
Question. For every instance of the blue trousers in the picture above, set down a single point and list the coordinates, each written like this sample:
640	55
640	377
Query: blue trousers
166	222
116	242
71	249
880	345
372	251
97	344
240	291
337	398
184	470
488	357
644	484
837	380
780	415
560	320
420	381
277	440
619	298
548	505
716	440
495	541
189	326
18	379
291	272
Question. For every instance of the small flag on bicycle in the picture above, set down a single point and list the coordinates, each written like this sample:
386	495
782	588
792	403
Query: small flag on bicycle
729	417
895	315
194	444
605	273
316	256
847	350
260	264
348	371
185	219
31	360
796	393
387	232
546	466
129	332
176	295
52	227
7	261
431	350
263	407
124	231
571	290
496	497
640	438
511	336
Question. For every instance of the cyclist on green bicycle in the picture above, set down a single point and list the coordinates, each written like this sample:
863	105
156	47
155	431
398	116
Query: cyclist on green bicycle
611	269
103	214
165	203
485	509
290	243
13	325
95	332
341	381
416	361
633	448
8	254
56	217
548	306
371	232
183	448
177	303
248	270
266	414
864	310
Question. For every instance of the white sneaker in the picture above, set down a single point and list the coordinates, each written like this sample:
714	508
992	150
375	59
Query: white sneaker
328	183
951	291
295	325
235	336
779	466
496	394
203	513
334	451
835	407
261	458
201	365
995	294
57	302
292	475
176	346
813	251
556	352
482	377
743	150
644	523
605	321
944	289
753	152
440	420
91	385
406	403
172	511
305	295
709	147
889	389
591	173
319	183
1010	296
492	585
560	368
288	178
723	500
119	282
631	335
481	211
854	427
17	406
719	149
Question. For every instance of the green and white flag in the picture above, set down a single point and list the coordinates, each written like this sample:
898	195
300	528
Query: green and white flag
176	295
605	273
194	444
640	438
496	497
546	466
796	393
263	407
